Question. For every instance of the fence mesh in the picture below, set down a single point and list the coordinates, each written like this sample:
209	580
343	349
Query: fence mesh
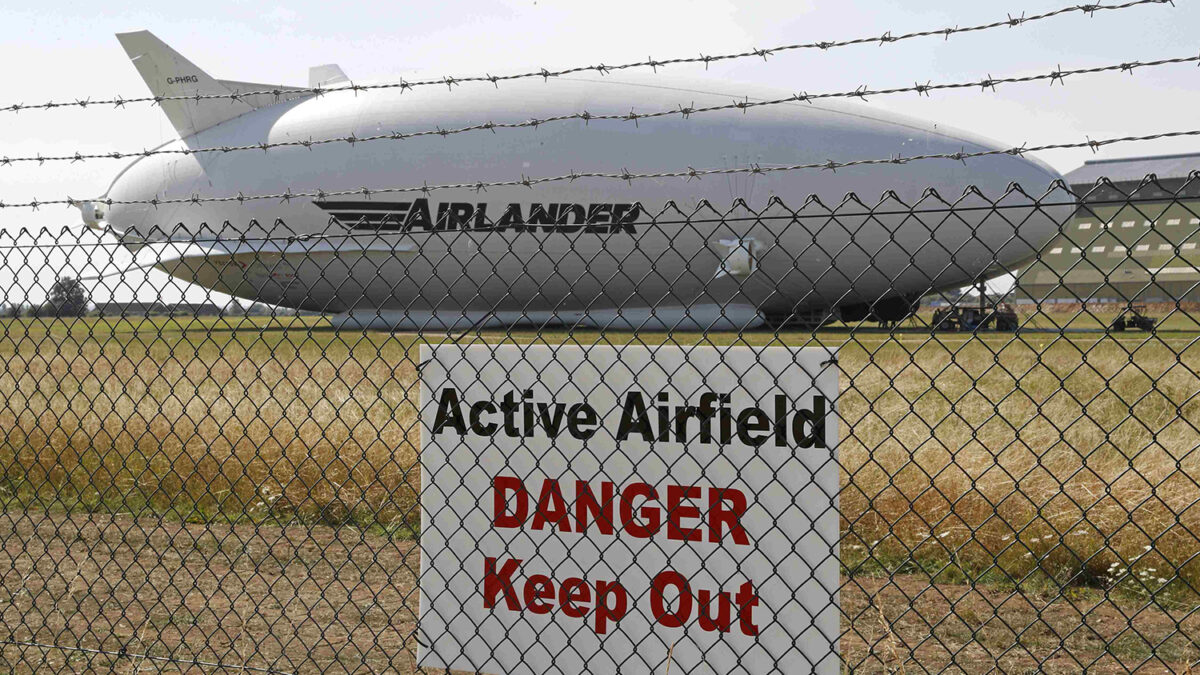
202	486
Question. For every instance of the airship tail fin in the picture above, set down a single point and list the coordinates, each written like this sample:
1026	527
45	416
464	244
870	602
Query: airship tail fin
167	73
330	73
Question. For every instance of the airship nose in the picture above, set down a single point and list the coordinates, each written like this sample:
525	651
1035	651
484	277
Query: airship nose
92	213
144	195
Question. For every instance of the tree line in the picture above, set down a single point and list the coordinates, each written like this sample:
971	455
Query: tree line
68	297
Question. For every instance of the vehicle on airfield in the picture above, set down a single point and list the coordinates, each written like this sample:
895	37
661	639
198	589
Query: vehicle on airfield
720	252
976	314
1133	317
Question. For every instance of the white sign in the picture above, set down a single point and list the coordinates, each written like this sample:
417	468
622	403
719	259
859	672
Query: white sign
594	509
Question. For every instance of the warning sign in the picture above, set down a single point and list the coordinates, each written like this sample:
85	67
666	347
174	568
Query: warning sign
607	509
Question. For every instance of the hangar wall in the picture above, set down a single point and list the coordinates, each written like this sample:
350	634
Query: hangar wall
1115	249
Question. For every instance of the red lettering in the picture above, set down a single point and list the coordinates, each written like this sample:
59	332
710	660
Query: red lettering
574	590
606	612
539	593
724	604
719	517
539	587
676	512
747	600
642	513
602	512
501	486
634	528
494	583
658	603
551	508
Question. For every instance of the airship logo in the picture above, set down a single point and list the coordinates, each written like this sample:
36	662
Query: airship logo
418	216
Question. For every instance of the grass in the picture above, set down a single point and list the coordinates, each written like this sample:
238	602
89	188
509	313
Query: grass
1038	460
206	421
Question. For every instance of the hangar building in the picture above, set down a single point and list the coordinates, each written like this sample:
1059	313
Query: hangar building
1133	242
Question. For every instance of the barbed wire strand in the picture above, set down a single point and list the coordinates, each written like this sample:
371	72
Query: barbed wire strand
354	236
689	174
862	92
602	69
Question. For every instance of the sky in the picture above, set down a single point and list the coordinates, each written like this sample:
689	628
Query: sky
58	50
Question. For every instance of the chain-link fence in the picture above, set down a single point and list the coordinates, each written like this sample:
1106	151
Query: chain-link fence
897	435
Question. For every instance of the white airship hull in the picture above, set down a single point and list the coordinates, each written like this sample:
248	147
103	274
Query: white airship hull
580	252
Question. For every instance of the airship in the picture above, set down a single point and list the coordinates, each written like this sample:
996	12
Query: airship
715	252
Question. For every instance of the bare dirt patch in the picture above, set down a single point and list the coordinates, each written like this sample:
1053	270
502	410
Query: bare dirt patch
904	624
290	599
166	596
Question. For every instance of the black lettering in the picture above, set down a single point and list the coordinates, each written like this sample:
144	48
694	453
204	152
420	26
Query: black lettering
815	419
418	216
634	418
682	416
552	422
448	414
780	421
478	409
664	416
459	217
509	407
481	216
582	416
707	412
573	213
528	410
538	215
512	218
393	220
598	218
441	217
752	421
624	216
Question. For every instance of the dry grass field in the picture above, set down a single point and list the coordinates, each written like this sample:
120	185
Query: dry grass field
1063	466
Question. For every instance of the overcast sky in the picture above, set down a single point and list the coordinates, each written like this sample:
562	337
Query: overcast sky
66	50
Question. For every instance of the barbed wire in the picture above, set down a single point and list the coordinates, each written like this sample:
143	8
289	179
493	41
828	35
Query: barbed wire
294	237
625	175
602	69
1057	75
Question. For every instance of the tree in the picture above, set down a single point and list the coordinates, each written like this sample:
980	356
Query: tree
68	297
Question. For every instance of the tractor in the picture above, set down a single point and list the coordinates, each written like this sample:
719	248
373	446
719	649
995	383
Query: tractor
963	317
1133	317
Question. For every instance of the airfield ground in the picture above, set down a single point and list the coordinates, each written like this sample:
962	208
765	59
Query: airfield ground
309	599
243	461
